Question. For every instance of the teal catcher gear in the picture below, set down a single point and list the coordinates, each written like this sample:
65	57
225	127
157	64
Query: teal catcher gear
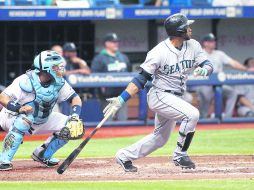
15	136
46	61
46	96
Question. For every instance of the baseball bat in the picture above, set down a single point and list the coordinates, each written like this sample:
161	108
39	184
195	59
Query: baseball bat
76	151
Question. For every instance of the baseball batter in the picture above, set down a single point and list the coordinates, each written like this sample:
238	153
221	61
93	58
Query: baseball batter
167	65
28	104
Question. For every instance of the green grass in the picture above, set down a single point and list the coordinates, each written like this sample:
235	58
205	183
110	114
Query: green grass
210	142
139	185
214	142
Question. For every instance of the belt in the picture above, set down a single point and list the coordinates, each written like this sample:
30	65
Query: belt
173	92
170	91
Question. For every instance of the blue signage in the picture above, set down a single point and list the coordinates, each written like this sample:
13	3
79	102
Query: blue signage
122	79
136	12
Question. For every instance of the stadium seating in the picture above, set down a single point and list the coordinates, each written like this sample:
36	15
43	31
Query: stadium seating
23	2
43	2
104	3
73	4
201	2
2	2
180	3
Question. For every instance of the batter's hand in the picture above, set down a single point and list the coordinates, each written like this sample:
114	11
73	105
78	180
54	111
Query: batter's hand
199	71
114	104
26	109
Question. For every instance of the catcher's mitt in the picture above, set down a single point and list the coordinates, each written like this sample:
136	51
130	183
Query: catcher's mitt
73	130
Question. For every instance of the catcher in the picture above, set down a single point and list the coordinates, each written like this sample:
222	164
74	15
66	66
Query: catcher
28	104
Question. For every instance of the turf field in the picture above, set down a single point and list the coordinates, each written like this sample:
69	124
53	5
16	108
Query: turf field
206	142
134	185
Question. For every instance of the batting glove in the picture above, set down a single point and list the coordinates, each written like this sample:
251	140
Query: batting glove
199	71
114	104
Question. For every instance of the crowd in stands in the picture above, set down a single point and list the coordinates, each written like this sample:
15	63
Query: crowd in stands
106	3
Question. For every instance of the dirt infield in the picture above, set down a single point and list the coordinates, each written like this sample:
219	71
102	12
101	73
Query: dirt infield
150	168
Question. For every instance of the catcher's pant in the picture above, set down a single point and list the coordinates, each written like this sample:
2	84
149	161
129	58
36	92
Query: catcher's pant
55	123
169	109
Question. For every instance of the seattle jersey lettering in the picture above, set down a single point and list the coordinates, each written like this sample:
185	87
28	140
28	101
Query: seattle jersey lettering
178	67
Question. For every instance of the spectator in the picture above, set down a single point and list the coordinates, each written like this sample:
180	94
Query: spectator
74	64
245	107
152	2
218	59
110	59
144	2
58	49
233	3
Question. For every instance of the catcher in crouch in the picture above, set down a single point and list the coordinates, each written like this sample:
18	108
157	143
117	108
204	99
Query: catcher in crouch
28	104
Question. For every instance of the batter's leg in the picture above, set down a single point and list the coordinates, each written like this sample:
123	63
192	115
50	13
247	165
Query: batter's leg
186	133
175	108
150	143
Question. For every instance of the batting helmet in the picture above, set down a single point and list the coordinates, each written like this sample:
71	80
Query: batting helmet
177	24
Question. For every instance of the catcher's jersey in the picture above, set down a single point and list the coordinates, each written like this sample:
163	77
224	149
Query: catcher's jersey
170	66
19	96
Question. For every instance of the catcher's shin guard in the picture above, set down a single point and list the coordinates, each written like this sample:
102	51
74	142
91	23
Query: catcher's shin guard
46	151
10	145
15	136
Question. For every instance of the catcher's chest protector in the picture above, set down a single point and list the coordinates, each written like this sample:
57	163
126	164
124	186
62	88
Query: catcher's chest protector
45	98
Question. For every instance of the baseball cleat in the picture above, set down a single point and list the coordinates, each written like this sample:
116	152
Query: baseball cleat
46	162
5	166
184	162
127	166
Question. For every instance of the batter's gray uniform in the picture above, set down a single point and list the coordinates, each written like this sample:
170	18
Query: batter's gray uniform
170	68
246	91
206	93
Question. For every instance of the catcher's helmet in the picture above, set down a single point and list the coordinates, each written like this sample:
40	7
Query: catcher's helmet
177	24
50	62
